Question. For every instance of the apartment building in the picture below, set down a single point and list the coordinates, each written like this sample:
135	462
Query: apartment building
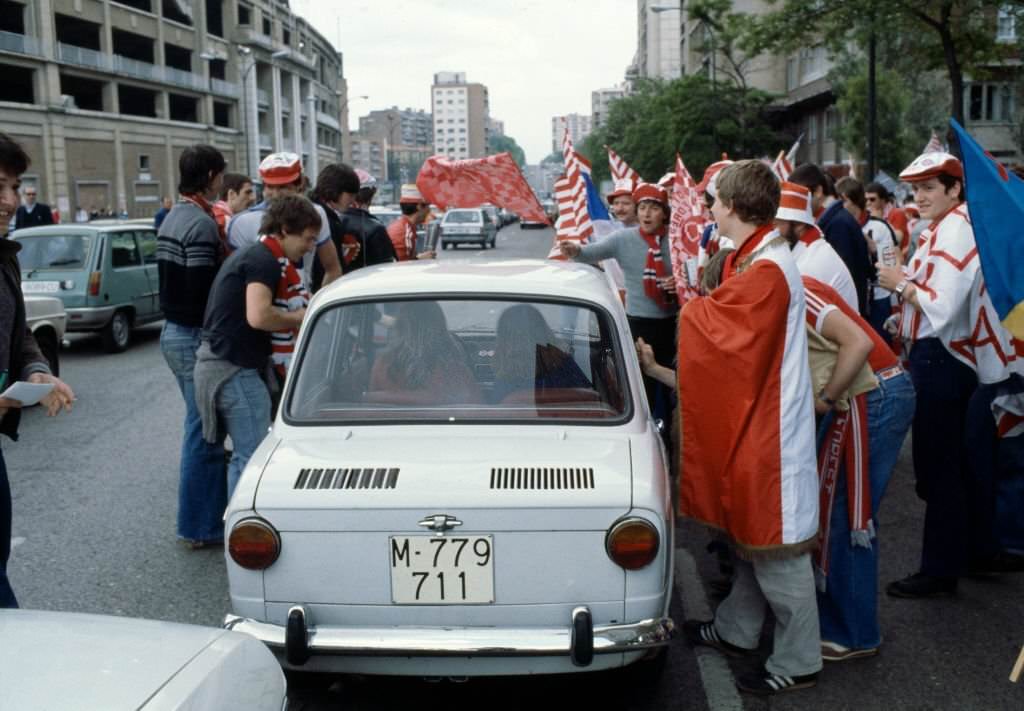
658	29
600	100
105	94
579	125
461	116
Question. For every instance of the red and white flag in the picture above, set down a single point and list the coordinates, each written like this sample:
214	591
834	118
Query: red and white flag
620	168
470	183
571	197
934	144
785	162
684	232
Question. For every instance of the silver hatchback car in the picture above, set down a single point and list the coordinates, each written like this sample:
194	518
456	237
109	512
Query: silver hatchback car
468	225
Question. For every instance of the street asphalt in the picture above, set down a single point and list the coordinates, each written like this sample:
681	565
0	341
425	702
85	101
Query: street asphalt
95	495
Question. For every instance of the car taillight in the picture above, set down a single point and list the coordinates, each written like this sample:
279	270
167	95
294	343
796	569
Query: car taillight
254	544
94	284
632	543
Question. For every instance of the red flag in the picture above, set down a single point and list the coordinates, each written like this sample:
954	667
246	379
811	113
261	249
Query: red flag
620	168
684	232
471	183
785	162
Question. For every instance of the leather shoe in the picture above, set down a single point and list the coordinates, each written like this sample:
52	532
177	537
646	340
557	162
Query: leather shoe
920	585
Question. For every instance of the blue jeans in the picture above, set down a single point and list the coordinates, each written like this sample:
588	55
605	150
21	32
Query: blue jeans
202	485
243	406
848	609
7	598
879	310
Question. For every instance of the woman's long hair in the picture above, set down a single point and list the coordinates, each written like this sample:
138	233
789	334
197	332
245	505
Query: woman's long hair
526	345
422	346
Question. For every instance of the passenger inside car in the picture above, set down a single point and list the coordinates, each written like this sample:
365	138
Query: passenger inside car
527	357
423	362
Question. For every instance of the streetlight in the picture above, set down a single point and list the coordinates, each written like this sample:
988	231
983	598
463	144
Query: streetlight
343	118
244	51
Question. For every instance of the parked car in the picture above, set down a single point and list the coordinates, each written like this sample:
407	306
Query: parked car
64	660
386	215
472	225
495	215
508	217
106	275
428	502
550	209
47	320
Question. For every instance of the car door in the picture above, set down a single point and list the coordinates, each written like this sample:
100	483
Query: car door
128	283
147	247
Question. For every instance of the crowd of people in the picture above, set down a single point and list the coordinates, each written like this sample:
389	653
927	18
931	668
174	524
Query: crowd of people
823	333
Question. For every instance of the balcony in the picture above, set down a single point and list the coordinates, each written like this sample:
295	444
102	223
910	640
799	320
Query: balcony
82	57
265	142
135	68
247	35
224	88
263	98
328	120
184	79
21	44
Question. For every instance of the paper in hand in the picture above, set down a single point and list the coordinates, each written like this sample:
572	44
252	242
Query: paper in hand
27	393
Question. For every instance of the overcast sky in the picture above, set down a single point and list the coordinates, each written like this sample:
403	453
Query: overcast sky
538	58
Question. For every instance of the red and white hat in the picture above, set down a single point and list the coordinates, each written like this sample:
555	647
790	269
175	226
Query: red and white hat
365	179
929	165
795	204
621	188
667	180
280	169
410	195
649	191
707	183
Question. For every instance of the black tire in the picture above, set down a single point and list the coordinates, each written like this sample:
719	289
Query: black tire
47	341
117	334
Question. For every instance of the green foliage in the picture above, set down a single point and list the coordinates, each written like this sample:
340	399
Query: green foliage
898	143
500	144
691	116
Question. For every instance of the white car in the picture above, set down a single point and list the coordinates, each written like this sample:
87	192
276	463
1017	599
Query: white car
52	661
463	480
47	319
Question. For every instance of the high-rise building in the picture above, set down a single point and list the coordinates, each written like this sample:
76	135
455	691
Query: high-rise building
658	39
105	95
461	116
408	135
579	125
600	100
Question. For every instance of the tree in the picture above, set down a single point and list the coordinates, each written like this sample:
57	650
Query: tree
955	35
501	143
692	116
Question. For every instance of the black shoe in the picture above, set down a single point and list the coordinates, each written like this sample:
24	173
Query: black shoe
920	585
699	633
1001	562
763	683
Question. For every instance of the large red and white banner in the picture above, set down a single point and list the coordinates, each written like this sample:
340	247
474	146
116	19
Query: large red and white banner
684	231
494	180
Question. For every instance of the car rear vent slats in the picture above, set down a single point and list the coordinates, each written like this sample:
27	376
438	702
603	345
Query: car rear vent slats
352	478
542	478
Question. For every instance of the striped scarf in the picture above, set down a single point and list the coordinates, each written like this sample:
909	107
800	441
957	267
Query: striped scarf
291	295
845	442
656	269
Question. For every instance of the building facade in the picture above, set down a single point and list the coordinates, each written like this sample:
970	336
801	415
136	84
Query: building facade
407	142
461	116
658	39
600	100
579	125
106	94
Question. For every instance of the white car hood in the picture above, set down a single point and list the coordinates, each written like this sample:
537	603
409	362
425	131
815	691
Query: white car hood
57	660
450	468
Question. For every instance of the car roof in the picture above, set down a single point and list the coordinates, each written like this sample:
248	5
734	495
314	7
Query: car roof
77	229
538	278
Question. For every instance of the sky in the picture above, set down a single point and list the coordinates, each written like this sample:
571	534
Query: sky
538	58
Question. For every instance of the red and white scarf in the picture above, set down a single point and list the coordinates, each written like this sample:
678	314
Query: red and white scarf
656	269
291	295
846	441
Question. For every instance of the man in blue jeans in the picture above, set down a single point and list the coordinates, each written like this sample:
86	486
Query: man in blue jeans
189	253
20	358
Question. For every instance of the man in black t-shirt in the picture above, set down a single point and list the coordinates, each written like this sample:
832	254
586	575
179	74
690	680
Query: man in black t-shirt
364	240
247	303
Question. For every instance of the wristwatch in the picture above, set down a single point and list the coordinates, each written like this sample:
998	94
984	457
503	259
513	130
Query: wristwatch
900	288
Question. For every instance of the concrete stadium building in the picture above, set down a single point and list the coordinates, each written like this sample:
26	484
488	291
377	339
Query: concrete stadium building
105	94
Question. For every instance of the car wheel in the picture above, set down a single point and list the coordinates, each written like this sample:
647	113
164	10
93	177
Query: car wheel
50	348
117	333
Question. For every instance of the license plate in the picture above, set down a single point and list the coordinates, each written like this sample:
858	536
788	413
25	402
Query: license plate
40	287
441	570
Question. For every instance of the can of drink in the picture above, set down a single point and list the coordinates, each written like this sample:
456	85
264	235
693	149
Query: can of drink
889	256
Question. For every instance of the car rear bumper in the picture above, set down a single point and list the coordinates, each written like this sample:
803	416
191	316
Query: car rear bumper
579	639
89	318
457	239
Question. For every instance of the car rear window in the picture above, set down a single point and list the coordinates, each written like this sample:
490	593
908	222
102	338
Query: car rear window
54	252
459	360
463	217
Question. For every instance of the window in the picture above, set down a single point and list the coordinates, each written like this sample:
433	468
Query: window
812	130
244	14
268	28
459	360
286	36
147	245
123	252
143	163
1006	24
989	102
61	252
830	124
